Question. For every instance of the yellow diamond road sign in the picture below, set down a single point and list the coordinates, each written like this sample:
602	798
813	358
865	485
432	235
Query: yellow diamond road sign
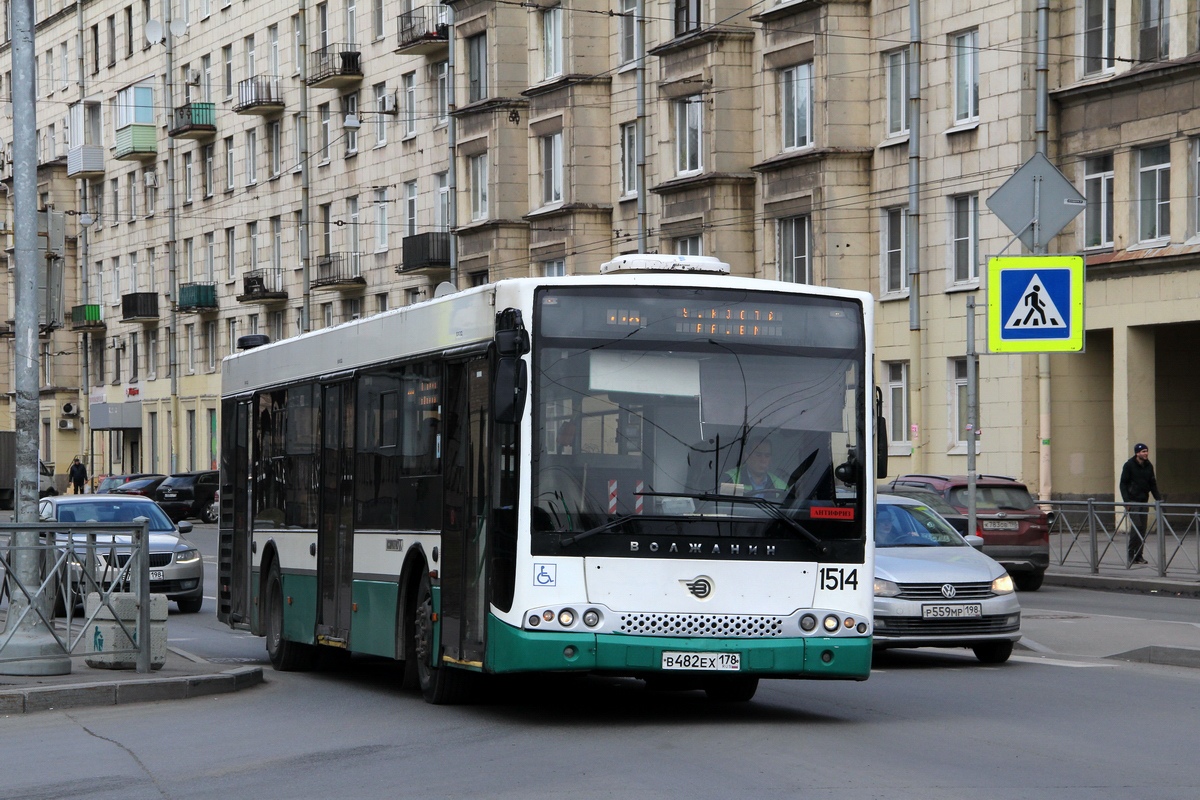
1035	304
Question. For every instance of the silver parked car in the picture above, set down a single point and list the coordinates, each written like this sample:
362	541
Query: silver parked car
176	568
934	589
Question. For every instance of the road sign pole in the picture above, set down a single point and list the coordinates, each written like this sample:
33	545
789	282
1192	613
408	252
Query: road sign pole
972	413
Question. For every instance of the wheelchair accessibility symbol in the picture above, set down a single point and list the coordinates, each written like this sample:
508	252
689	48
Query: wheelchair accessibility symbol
545	574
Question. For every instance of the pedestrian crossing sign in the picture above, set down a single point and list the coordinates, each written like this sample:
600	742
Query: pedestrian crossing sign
1035	304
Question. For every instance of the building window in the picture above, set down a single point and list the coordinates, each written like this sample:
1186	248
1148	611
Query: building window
251	157
965	47
208	156
227	69
629	31
381	115
210	344
1154	31
688	246
477	65
895	402
252	244
381	220
210	256
555	268
793	250
552	43
350	108
478	169
441	215
552	168
896	71
795	85
1099	35
152	353
964	236
629	182
959	404
687	16
275	147
1098	190
409	84
190	339
135	105
410	208
325	213
441	80
327	314
229	156
381	302
1154	193
688	139
895	274
230	253
323	145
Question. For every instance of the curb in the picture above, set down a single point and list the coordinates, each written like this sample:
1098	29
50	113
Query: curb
140	690
1130	583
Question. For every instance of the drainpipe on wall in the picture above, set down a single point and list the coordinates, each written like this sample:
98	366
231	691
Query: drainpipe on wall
916	368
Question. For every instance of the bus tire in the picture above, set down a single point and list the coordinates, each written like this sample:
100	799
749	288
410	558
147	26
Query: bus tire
439	685
731	688
285	656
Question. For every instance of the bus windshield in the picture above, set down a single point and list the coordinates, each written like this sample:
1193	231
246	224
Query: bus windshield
697	413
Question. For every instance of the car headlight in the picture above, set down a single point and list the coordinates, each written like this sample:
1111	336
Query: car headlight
187	556
1003	584
884	588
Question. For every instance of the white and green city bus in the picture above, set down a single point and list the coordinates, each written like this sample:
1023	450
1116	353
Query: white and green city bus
545	475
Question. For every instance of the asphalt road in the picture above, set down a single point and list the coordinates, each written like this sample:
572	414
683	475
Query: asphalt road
928	724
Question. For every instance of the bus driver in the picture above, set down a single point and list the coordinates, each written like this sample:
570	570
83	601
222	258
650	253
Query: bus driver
754	474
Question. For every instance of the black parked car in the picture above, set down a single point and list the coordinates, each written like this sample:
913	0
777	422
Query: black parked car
189	494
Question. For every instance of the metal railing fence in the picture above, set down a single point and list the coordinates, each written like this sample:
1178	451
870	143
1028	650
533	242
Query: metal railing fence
75	560
1093	535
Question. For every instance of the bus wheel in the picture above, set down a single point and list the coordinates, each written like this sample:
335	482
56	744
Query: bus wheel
285	656
439	685
731	689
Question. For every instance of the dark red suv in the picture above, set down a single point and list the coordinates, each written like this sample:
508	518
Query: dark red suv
1015	531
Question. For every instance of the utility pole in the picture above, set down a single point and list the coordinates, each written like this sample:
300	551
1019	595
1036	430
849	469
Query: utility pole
28	639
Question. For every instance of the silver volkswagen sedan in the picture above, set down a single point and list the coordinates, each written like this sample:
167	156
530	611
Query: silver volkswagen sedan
176	568
933	588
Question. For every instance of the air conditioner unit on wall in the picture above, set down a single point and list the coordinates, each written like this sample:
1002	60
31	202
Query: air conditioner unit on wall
66	424
193	77
151	179
387	104
70	409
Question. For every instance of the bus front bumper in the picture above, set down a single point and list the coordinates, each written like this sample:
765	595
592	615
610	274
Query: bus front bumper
511	649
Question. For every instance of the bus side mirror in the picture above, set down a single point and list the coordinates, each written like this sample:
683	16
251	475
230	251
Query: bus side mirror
881	448
509	390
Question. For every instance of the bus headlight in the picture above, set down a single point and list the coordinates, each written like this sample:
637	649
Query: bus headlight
566	617
808	623
591	618
831	623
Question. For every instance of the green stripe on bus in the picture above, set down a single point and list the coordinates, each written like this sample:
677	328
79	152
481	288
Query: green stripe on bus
511	649
299	607
373	621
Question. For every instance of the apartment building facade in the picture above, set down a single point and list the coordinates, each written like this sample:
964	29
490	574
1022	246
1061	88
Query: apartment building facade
273	167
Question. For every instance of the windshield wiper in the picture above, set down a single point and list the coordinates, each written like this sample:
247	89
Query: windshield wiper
612	523
758	502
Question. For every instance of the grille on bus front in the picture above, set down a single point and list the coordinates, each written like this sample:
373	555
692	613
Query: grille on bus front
933	591
701	625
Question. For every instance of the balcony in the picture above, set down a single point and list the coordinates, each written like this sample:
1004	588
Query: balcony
260	95
425	253
198	297
423	31
136	142
194	121
338	271
139	307
87	318
262	286
85	161
335	66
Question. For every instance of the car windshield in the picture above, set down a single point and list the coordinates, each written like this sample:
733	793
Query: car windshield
995	498
930	499
177	481
115	510
913	526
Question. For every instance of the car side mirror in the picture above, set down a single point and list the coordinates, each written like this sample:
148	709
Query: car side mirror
974	540
185	526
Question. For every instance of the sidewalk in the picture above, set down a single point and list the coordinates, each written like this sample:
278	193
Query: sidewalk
182	675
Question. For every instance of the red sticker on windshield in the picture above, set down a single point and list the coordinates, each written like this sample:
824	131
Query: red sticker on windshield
830	512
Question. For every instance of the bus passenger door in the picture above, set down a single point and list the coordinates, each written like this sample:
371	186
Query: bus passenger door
335	534
234	560
465	518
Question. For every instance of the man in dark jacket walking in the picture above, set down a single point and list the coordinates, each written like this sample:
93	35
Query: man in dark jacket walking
1137	484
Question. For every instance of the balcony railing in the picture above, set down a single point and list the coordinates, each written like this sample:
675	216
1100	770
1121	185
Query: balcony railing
87	318
139	307
262	286
334	66
194	121
197	297
338	270
423	31
259	95
136	141
424	252
85	161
